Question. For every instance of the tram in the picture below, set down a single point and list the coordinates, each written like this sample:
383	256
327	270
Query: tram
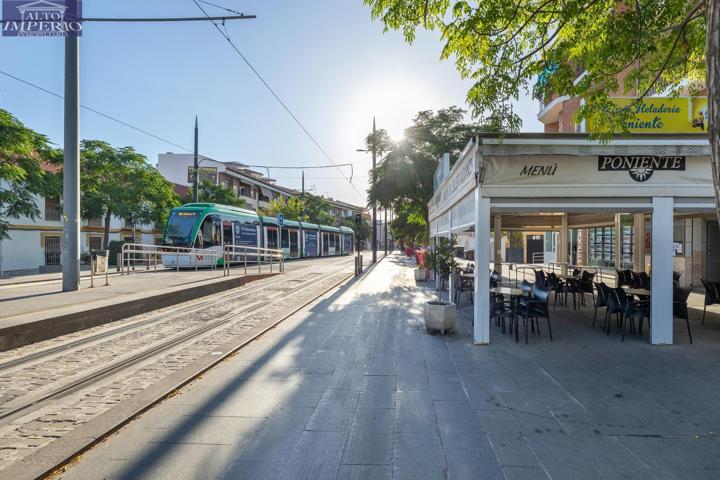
210	226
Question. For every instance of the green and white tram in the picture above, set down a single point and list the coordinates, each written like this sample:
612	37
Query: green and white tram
207	227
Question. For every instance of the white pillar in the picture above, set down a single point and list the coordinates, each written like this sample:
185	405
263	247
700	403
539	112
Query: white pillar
661	330
481	330
639	242
497	243
618	241
562	245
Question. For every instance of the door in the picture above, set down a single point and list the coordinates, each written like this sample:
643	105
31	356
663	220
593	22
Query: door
294	244
52	250
534	247
713	252
325	244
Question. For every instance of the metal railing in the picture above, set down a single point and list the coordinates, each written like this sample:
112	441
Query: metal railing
538	257
238	254
150	256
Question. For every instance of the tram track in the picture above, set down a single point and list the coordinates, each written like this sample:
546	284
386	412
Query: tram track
26	404
155	318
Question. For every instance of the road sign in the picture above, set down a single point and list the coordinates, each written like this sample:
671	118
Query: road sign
280	219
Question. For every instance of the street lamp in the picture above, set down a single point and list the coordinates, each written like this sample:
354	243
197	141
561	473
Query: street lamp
373	150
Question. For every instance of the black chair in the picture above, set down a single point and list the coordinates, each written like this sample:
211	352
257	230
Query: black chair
680	307
621	304
586	286
571	286
603	294
712	295
635	280
499	309
540	278
463	285
676	277
622	278
495	278
576	272
532	310
644	280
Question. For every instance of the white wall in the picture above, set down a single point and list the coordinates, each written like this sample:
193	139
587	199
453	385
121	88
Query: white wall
174	166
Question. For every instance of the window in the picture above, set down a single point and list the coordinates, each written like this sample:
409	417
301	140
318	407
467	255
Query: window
95	243
95	222
180	228
52	210
285	238
550	242
52	250
209	233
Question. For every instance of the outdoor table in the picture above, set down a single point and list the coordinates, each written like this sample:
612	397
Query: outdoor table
641	292
568	276
513	292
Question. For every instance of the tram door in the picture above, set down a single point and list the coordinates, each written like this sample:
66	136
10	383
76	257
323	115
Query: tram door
227	230
294	243
271	237
325	244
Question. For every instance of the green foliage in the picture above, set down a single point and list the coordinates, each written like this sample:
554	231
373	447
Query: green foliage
409	224
22	155
441	259
362	233
404	178
292	208
317	210
504	46
120	182
211	193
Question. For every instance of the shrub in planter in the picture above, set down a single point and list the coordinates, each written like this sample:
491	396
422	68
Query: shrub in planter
441	260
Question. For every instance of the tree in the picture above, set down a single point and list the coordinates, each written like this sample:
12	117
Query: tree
361	233
404	178
292	208
317	210
120	182
211	193
409	224
503	46
23	153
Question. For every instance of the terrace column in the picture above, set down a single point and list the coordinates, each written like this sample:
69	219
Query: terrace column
497	243
562	245
661	329
451	285
481	328
639	242
618	241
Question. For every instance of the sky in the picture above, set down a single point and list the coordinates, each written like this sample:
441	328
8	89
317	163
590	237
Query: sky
327	59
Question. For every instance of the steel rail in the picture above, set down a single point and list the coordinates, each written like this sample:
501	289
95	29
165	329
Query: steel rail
12	412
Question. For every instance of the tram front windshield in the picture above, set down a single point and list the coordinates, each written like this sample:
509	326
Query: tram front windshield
180	228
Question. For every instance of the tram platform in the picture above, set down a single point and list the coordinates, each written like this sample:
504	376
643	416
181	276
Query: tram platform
37	310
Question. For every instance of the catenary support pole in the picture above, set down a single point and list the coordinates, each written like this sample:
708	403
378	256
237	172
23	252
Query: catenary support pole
661	306
196	173
618	241
374	203
71	168
562	245
639	242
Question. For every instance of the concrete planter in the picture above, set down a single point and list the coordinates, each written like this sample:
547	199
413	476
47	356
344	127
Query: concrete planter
419	275
439	317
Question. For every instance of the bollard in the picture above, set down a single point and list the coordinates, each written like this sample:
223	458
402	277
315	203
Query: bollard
271	257
245	260
92	271
118	262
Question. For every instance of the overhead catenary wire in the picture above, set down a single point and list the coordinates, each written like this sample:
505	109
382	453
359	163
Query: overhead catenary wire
227	37
97	112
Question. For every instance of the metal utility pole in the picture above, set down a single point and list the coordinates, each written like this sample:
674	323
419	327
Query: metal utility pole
386	233
195	164
374	203
71	168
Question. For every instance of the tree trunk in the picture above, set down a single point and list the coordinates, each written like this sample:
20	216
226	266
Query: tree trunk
106	232
713	92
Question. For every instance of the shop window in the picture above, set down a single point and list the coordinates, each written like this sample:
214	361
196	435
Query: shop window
95	243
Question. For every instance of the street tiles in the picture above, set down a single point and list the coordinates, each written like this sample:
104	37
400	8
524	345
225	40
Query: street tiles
354	388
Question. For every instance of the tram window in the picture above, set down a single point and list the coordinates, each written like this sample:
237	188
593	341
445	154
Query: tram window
285	238
332	240
209	233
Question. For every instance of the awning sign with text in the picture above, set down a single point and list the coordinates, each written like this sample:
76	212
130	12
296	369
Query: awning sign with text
640	167
666	115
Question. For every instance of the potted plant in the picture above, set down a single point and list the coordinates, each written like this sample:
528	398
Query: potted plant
440	314
419	273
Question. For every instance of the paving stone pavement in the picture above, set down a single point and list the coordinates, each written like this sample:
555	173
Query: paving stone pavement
354	388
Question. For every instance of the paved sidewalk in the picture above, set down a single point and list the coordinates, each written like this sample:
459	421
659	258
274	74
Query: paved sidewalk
354	388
